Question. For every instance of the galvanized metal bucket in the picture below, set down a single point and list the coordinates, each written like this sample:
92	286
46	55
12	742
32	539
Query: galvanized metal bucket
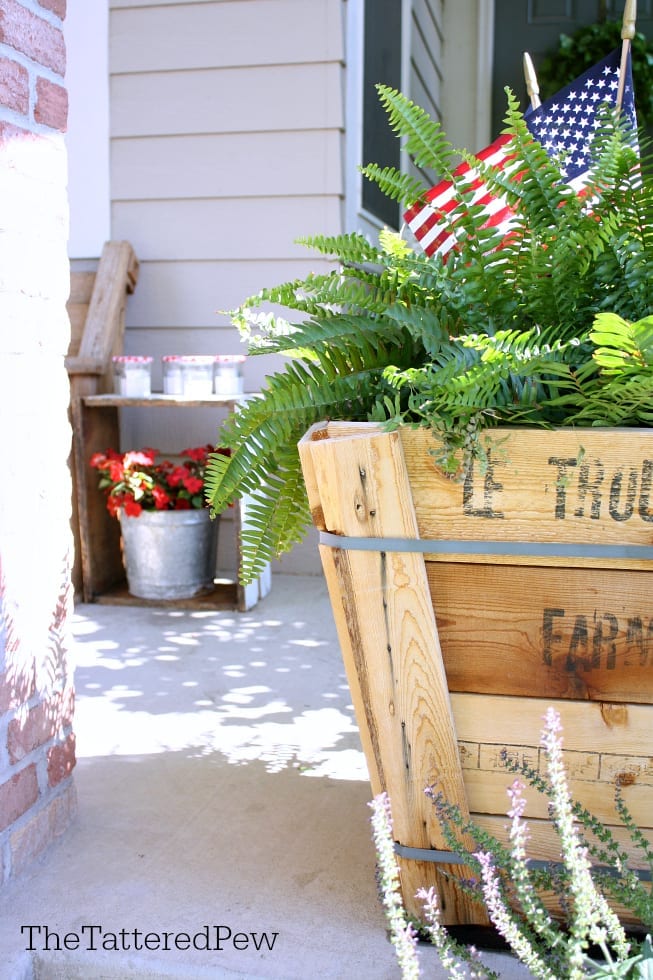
169	554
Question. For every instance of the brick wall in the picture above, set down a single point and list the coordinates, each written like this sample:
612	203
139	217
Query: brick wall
37	745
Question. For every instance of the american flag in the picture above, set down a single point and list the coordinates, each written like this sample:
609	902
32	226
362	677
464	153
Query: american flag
564	125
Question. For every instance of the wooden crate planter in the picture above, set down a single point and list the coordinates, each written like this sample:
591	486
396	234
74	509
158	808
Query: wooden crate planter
534	592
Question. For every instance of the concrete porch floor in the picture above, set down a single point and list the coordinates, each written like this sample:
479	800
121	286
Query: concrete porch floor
221	783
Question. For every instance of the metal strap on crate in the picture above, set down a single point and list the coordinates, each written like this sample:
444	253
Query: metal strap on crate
451	857
536	549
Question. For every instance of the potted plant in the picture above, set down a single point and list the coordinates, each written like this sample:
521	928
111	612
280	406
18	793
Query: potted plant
169	540
475	451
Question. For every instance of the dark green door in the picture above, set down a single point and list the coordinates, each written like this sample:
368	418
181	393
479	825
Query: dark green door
535	26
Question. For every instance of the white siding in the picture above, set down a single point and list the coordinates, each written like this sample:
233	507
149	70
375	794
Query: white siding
180	36
226	145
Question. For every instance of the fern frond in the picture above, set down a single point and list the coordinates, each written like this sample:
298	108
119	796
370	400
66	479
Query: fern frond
395	185
352	249
264	462
426	142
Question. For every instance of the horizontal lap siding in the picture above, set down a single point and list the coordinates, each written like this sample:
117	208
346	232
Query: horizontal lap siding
229	229
172	294
242	33
269	98
227	128
218	166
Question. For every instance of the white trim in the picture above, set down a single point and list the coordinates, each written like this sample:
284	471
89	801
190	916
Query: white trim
485	64
406	43
354	38
86	31
356	217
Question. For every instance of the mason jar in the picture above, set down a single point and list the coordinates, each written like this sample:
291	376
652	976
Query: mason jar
173	383
228	378
132	375
197	374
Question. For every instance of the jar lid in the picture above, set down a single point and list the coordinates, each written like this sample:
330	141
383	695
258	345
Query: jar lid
171	357
131	359
230	358
194	358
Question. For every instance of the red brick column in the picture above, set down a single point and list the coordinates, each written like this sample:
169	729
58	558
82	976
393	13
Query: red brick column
37	745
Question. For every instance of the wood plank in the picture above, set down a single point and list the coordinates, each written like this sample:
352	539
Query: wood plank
613	729
600	487
580	633
116	276
101	557
487	793
81	286
544	845
159	400
558	487
77	313
224	595
564	485
400	686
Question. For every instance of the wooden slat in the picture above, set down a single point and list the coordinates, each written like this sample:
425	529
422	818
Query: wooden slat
401	695
613	729
567	485
116	275
159	400
581	633
99	533
96	309
544	845
81	287
486	793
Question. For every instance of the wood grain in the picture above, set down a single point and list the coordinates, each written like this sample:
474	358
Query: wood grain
390	645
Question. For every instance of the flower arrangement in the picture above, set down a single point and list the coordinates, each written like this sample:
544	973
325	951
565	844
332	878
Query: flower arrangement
135	481
589	940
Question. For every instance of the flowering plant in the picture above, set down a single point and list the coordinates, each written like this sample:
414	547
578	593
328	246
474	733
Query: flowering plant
134	481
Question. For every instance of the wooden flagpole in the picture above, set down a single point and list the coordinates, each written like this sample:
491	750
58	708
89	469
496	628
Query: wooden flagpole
532	86
627	35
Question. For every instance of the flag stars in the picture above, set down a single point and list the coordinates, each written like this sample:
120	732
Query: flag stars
565	129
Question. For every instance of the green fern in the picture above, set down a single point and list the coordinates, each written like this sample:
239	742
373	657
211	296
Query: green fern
550	325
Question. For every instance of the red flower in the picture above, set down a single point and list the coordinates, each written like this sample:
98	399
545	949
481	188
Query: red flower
114	503
161	498
132	507
199	455
134	481
115	470
193	484
177	475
